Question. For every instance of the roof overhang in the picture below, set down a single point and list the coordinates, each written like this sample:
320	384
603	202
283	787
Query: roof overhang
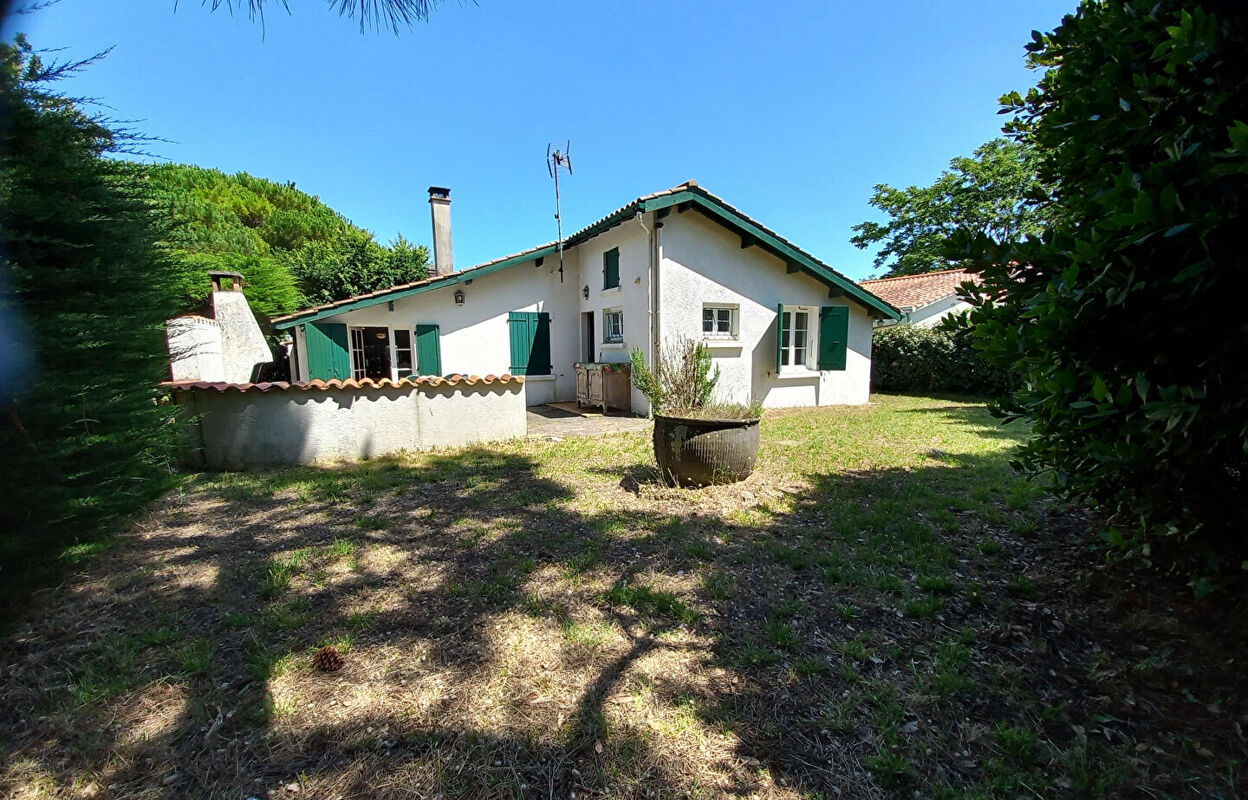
682	199
796	259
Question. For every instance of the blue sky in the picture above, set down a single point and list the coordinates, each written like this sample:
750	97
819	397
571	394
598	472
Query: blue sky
791	111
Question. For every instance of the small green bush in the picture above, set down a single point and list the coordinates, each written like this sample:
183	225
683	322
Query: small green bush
907	358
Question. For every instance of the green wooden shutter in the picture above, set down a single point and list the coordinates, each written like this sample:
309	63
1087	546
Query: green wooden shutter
833	336
428	350
329	353
529	332
779	336
611	268
518	325
539	349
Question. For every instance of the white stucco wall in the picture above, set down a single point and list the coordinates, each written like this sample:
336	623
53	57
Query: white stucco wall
931	314
632	297
701	262
235	429
243	346
194	349
704	263
475	339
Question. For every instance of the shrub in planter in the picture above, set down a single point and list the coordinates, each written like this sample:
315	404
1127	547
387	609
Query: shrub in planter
696	442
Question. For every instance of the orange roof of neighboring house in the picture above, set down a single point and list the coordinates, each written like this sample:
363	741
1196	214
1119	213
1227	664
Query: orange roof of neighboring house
366	383
913	291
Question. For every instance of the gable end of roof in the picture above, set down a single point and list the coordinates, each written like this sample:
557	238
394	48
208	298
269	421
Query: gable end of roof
661	202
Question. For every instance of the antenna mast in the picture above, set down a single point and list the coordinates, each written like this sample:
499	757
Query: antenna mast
555	161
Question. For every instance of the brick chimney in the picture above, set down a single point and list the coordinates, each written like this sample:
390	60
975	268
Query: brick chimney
440	209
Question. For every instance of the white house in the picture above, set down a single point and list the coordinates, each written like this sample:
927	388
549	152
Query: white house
784	328
925	299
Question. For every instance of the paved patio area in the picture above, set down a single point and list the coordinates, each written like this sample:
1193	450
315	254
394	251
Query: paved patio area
565	420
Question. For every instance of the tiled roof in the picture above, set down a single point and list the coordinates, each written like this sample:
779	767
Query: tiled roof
532	251
366	383
913	291
690	190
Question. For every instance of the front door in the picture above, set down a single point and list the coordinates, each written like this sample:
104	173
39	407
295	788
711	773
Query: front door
587	337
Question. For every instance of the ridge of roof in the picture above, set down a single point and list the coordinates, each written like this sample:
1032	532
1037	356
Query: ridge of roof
917	275
656	201
916	291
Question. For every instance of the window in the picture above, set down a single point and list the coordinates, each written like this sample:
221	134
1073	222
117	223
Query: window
530	342
719	322
794	338
402	353
380	353
612	325
357	353
611	269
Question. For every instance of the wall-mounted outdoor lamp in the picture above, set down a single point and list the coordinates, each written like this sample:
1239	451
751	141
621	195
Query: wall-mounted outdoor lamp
585	292
459	297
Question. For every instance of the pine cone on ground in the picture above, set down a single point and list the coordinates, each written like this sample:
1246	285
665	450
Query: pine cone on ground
328	659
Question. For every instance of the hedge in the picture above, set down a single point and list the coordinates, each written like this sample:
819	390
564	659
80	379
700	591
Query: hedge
907	358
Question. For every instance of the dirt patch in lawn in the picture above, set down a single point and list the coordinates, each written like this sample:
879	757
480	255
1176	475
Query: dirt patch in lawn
883	609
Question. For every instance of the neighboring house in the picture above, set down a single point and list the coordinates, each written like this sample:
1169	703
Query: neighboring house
783	327
923	299
224	344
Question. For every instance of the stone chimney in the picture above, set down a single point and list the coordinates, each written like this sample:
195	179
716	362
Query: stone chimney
440	208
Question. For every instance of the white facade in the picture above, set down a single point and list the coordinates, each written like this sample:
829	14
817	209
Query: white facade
673	265
704	264
474	337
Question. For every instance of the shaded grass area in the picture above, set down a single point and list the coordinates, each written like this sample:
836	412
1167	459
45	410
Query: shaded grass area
884	608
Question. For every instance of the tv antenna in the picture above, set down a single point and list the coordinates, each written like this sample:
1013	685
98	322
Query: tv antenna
555	161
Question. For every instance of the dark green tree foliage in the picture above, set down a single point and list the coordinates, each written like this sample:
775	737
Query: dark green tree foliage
1128	322
83	439
909	358
353	263
292	249
995	192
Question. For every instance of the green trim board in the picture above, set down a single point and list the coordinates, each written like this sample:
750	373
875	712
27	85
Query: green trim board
780	248
685	197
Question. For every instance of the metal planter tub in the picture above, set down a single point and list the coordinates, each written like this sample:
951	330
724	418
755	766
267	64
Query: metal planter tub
701	452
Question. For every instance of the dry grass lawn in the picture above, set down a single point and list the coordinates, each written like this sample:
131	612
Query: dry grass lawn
884	609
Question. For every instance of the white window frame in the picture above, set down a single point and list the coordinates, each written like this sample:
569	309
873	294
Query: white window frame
734	315
394	354
356	334
811	344
607	337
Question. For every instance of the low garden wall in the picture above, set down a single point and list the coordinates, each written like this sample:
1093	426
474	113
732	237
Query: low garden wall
229	426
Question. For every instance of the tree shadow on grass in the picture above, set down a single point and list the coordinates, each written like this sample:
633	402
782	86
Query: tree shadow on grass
513	634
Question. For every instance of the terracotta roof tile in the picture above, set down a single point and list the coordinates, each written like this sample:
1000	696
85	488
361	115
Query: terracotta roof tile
570	241
366	383
913	291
